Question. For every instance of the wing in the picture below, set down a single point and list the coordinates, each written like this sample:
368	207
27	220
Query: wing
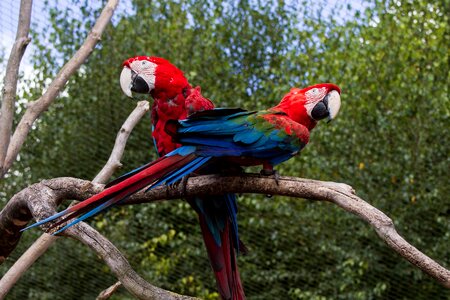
266	135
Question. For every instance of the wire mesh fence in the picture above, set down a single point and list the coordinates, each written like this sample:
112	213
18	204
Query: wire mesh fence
297	249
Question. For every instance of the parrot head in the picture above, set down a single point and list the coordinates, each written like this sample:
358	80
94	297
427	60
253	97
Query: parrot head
152	75
309	105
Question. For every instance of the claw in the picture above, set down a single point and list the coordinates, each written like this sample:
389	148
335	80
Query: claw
175	185
184	181
276	175
271	172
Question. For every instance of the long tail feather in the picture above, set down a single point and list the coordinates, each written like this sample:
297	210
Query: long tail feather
166	169
218	222
177	174
223	261
232	212
131	173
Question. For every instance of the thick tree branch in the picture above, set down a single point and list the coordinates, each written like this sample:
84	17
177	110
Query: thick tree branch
36	108
39	200
11	78
40	246
119	265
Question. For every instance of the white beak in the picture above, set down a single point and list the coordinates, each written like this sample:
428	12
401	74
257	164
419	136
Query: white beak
334	103
125	81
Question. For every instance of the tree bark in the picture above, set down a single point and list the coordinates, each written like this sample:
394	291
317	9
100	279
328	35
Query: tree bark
40	246
36	108
119	265
11	78
40	200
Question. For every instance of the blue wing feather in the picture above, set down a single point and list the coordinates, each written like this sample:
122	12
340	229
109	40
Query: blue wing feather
248	136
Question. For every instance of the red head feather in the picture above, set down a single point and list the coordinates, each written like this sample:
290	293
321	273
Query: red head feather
299	103
161	76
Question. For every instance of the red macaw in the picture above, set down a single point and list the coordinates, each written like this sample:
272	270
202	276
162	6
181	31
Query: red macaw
175	99
231	135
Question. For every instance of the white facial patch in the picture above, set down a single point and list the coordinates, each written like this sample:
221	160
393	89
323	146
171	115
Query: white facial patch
334	104
313	96
146	70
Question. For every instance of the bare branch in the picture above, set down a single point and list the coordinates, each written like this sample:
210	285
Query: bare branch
119	265
121	140
40	246
106	294
41	199
11	78
26	260
23	206
36	108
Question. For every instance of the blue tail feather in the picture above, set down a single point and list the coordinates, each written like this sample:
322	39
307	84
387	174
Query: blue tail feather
213	219
217	210
194	167
174	173
51	218
232	212
87	215
185	170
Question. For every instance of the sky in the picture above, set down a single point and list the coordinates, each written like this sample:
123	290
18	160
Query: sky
9	16
9	12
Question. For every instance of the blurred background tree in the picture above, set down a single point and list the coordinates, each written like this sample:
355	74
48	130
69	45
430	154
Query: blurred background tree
390	142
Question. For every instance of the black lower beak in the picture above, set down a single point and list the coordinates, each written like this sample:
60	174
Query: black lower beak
320	111
139	85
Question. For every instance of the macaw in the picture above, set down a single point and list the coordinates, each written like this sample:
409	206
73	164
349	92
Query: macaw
234	136
175	99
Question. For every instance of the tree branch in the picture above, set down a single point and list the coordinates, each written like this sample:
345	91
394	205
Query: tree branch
119	265
121	140
39	200
40	246
106	294
36	108
11	78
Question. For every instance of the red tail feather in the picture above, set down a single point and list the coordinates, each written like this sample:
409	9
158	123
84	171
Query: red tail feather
223	262
128	186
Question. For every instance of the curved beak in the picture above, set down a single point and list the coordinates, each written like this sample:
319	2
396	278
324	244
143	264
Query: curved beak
334	104
126	81
328	107
131	81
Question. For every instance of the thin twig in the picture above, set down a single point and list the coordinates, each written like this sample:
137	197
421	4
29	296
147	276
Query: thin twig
121	140
11	78
40	246
107	293
36	108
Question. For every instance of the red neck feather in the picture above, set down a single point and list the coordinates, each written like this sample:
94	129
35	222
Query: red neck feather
293	105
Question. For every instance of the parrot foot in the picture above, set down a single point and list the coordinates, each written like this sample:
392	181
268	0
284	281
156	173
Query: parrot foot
175	185
271	172
183	183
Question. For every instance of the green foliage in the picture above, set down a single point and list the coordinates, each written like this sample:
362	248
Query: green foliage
389	143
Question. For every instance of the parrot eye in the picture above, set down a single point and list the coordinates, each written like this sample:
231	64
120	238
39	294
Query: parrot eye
143	62
314	90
